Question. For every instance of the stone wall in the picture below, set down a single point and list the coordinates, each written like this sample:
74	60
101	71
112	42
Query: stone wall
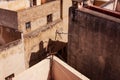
32	40
94	46
12	59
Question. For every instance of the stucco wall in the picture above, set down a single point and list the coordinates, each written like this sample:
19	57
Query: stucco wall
39	23
118	6
37	12
39	71
44	33
37	36
94	46
65	14
12	59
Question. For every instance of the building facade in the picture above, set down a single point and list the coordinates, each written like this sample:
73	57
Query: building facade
93	42
11	53
38	21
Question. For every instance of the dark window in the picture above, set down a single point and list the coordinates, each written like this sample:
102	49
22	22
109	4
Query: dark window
49	18
28	25
9	77
34	2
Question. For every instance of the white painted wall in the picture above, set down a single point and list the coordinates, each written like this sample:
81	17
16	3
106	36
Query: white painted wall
109	6
38	2
12	61
39	71
15	4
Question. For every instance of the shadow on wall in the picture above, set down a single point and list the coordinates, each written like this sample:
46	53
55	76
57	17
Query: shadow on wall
38	56
57	47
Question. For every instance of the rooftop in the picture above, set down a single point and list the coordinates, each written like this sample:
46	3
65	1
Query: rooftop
49	70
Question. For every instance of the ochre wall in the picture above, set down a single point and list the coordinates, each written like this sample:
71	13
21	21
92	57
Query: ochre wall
94	44
32	41
37	15
38	12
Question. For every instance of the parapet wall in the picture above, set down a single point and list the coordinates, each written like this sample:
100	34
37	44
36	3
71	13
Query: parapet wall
94	44
8	18
8	35
38	11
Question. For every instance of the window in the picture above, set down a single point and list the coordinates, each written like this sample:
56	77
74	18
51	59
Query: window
34	2
28	25
49	18
9	77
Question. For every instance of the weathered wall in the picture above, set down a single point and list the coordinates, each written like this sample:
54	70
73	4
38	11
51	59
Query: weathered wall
12	59
40	30
15	4
7	17
37	36
8	35
37	12
39	71
94	46
65	4
40	23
